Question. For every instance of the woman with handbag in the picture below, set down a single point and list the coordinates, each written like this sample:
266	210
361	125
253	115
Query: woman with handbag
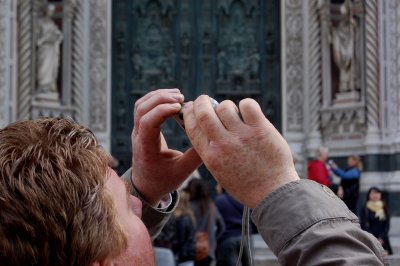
209	223
185	231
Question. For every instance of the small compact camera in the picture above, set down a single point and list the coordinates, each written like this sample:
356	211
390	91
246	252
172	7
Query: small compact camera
179	117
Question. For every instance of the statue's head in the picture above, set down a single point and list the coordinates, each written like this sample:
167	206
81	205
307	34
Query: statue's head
50	10
345	8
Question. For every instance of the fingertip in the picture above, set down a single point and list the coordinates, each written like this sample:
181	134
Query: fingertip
251	111
176	106
248	101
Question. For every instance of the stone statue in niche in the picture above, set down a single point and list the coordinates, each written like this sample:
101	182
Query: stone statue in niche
343	42
166	63
48	52
185	44
253	64
206	44
137	65
222	65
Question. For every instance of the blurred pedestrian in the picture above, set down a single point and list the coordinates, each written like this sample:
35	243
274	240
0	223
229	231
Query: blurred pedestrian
350	180
228	247
209	223
164	243
375	217
185	222
317	169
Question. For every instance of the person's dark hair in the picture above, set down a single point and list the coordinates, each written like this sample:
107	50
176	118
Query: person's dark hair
54	207
183	207
198	191
376	189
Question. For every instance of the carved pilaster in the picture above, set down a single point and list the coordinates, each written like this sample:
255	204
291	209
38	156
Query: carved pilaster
398	67
68	14
294	65
3	66
25	59
314	60
324	16
98	65
372	71
391	75
77	68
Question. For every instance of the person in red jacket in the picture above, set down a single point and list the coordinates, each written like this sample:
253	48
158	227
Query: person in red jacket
317	169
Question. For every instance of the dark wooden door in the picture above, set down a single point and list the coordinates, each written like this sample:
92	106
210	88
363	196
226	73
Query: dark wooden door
226	49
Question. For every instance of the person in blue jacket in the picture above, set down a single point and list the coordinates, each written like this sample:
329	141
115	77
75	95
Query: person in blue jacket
228	247
350	180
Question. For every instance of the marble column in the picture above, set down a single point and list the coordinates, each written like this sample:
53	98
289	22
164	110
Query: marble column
372	71
314	72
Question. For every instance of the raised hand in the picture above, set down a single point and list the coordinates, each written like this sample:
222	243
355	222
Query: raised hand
245	153
156	169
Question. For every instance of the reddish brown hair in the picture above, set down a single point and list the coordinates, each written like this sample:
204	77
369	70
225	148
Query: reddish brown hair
54	207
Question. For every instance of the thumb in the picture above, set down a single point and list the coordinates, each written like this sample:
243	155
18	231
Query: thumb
190	161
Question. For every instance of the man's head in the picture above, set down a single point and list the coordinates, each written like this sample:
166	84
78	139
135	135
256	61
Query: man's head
58	197
322	153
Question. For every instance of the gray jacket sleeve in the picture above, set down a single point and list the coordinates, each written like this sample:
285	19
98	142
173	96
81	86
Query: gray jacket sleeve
304	223
154	219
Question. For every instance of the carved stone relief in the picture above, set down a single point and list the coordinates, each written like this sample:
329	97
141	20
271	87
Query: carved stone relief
294	65
343	123
228	49
187	47
238	53
98	65
153	58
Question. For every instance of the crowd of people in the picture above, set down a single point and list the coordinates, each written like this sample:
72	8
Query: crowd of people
374	213
221	219
62	204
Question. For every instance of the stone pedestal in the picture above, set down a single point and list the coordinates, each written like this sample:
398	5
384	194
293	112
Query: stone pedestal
48	97
49	105
347	97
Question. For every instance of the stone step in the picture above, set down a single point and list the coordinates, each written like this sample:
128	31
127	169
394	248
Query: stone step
395	243
259	247
394	226
394	260
265	260
262	254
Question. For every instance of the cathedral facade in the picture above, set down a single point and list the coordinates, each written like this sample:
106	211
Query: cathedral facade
337	66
